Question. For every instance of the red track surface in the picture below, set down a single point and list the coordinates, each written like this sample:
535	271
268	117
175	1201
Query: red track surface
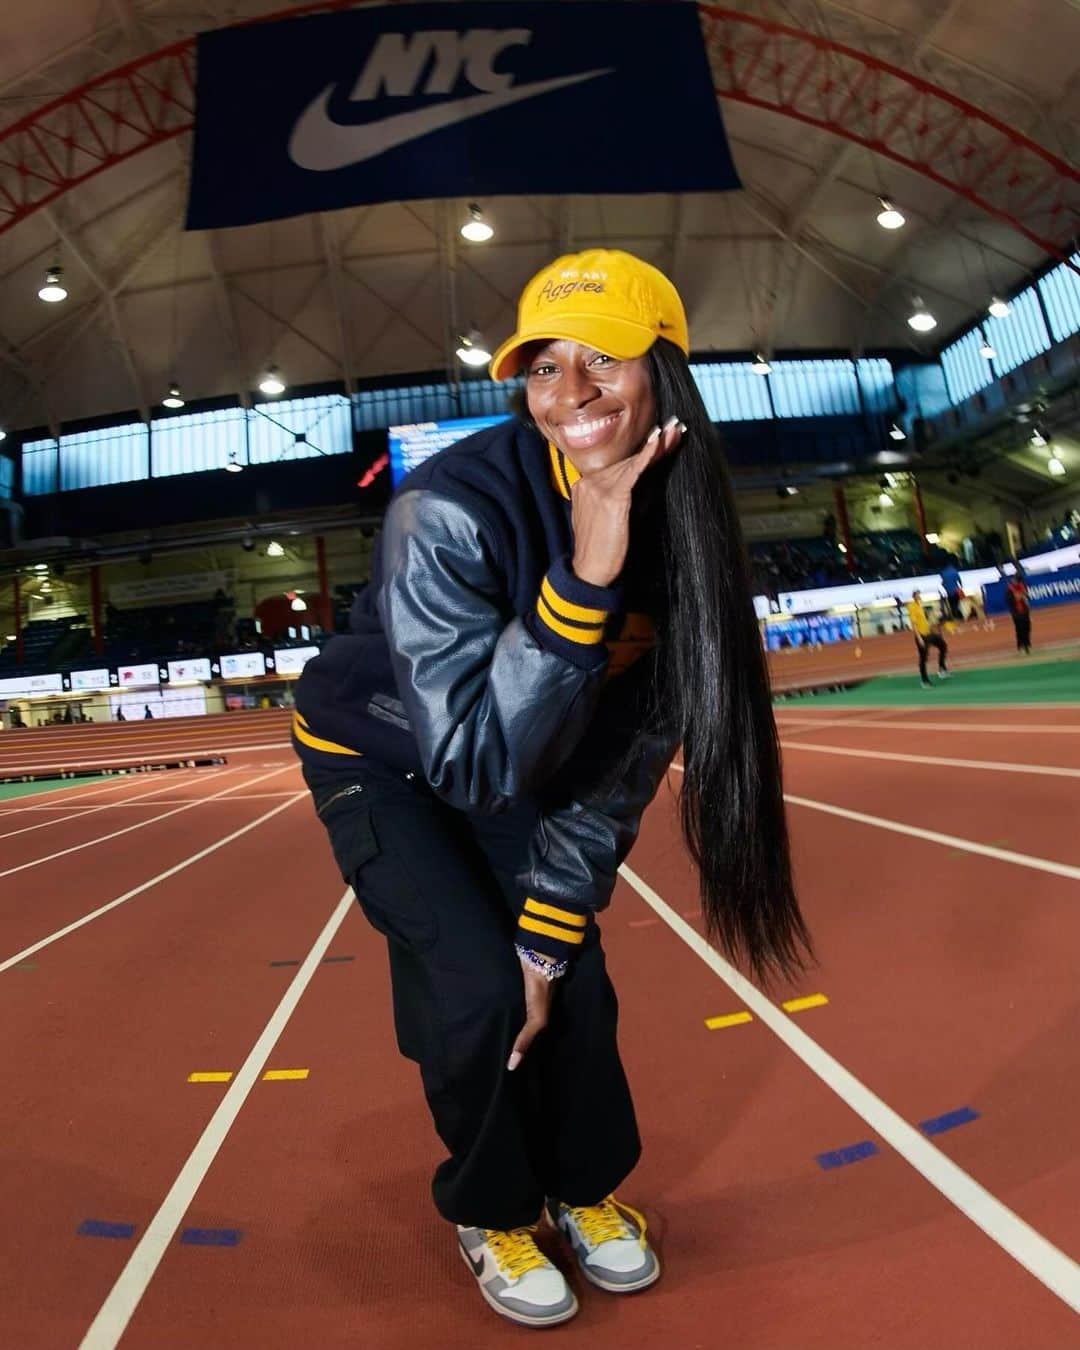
951	982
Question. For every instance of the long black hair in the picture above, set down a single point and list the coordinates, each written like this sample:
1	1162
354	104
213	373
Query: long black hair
713	694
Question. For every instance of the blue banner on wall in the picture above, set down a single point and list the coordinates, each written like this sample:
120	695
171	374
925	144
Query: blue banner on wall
398	102
1046	588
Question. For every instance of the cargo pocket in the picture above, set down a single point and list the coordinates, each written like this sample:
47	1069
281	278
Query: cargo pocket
391	901
347	817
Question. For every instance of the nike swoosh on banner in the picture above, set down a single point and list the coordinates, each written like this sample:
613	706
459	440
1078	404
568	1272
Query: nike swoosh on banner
320	144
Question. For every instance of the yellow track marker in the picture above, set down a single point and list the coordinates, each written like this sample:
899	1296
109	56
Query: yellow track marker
730	1020
209	1077
279	1075
799	1004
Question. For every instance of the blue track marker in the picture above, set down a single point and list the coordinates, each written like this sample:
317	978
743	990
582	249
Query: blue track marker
949	1121
840	1157
211	1237
100	1228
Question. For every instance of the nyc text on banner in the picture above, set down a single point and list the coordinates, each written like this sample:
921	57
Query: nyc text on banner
399	102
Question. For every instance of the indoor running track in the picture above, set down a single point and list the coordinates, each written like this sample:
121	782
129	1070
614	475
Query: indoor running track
789	1183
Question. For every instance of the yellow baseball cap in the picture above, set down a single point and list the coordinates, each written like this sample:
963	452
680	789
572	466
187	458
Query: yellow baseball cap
603	298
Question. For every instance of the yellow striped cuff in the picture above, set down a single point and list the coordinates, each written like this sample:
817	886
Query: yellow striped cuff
566	609
300	731
587	637
553	912
567	935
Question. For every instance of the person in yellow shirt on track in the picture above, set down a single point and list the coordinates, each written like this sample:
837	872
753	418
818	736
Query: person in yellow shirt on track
927	634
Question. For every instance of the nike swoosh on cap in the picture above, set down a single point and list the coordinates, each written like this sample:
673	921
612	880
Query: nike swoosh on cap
320	144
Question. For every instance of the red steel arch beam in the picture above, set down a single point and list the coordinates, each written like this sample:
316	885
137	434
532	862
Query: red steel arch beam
754	61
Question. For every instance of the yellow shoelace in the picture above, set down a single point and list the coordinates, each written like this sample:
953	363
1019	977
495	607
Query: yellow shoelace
515	1251
602	1222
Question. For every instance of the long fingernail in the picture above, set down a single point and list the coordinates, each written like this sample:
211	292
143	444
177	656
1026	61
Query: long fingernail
682	427
672	421
653	435
514	1060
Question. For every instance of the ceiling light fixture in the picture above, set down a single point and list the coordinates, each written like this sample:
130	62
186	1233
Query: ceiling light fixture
760	364
933	538
472	350
1057	469
173	398
271	382
53	289
1038	439
3	434
232	464
476	229
842	547
998	308
885	499
889	218
274	549
986	351
897	432
920	317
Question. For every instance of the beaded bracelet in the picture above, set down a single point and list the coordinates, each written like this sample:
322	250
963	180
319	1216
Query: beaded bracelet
551	970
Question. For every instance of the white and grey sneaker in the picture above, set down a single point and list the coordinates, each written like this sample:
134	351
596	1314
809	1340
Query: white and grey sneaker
609	1242
515	1276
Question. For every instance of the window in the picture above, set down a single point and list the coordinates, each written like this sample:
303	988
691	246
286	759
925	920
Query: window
814	388
733	393
196	442
966	372
1060	291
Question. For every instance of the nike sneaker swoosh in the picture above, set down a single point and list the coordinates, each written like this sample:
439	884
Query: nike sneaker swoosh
320	144
478	1266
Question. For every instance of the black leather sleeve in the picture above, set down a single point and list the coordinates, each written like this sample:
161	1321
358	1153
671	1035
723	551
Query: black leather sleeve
592	814
496	702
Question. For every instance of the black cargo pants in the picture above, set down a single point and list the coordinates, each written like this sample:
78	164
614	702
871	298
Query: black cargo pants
439	885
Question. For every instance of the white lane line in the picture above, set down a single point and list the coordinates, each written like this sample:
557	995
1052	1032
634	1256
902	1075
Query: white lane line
139	825
174	801
997	765
1051	1266
932	836
145	886
1011	728
140	799
150	756
114	1314
1029	860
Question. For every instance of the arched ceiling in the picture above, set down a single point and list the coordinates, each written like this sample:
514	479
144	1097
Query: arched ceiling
793	261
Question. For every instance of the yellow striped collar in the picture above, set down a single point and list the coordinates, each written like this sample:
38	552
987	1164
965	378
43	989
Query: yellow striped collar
563	473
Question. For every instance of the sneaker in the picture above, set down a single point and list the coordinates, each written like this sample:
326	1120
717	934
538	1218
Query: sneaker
927	684
608	1240
944	674
515	1277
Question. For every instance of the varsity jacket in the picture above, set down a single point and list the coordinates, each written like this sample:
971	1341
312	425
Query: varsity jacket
477	658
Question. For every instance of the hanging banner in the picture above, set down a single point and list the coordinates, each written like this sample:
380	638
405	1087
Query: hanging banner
398	102
160	590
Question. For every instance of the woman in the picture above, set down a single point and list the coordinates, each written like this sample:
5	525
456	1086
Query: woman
556	605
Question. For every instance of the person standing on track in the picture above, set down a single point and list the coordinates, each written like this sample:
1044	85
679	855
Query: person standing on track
1019	606
954	594
927	635
557	603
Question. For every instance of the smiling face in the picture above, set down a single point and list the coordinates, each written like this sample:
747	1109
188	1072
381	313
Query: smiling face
596	409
